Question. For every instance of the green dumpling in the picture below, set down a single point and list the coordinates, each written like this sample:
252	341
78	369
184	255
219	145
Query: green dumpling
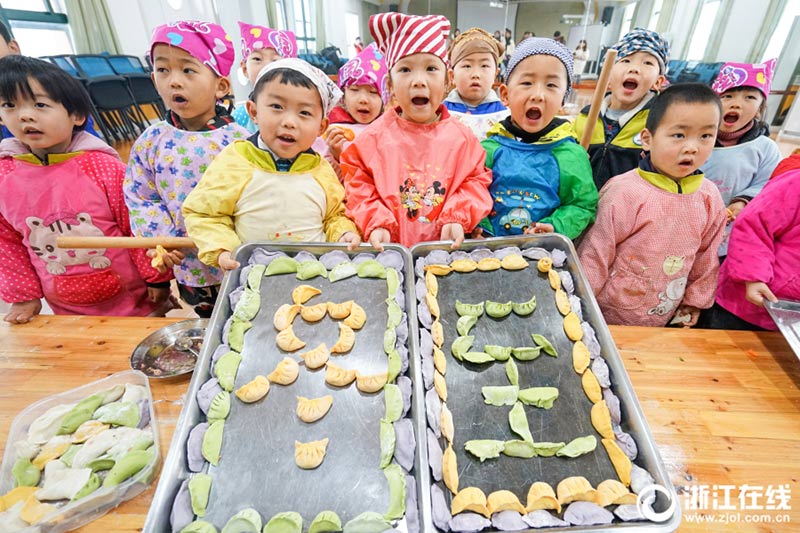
497	309
392	282
461	345
465	324
199	490
395	313
526	353
394	402
387	437
248	305
225	369
126	467
397	492
389	339
220	406
311	269
255	276
245	521
118	414
395	365
478	358
368	522
512	372
464	309
199	526
485	449
289	522
519	448
518	421
342	271
525	308
542	397
579	446
499	353
69	455
547	449
545	344
212	442
326	522
236	334
92	485
79	414
281	265
499	396
371	269
25	474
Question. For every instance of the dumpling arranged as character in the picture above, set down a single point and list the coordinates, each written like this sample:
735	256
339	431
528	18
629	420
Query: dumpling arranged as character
309	455
314	409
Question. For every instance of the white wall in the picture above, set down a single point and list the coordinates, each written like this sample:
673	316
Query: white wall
741	31
478	14
335	32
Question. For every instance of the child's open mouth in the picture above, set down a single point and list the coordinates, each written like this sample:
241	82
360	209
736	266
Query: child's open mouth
178	99
630	85
286	138
31	131
686	164
420	100
730	118
533	114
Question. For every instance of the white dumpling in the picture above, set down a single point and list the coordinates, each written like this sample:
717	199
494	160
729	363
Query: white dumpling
101	443
46	426
141	440
10	520
62	482
134	393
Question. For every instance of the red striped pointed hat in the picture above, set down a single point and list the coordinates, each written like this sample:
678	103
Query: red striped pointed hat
398	35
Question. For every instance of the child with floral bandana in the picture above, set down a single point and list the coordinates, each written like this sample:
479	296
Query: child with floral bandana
636	77
190	63
363	82
273	186
416	174
260	47
744	156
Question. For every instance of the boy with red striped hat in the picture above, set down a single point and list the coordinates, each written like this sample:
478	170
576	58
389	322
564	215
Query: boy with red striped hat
432	183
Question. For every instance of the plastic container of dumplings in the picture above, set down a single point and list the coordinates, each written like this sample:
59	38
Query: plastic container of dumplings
73	514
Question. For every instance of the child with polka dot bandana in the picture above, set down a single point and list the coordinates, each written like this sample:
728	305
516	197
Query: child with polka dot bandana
191	62
58	180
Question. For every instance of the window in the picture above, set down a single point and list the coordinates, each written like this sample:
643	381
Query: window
39	26
352	25
627	20
655	15
702	30
780	35
280	24
303	28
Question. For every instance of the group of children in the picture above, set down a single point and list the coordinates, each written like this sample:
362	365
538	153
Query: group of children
387	155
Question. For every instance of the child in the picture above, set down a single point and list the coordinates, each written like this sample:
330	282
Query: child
763	255
190	62
744	156
363	81
654	246
59	180
260	47
415	174
272	186
542	181
474	58
637	75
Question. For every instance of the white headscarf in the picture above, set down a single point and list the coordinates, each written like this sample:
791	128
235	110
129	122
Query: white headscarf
328	91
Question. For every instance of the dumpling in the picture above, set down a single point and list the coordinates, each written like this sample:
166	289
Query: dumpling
347	338
489	263
285	373
304	293
464	265
357	317
309	455
314	409
432	284
433	304
338	376
314	313
572	326
340	310
253	391
317	357
370	384
514	262
288	341
562	302
554	279
284	316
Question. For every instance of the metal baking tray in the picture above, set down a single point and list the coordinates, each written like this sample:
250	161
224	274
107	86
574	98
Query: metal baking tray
786	314
570	416
258	469
73	515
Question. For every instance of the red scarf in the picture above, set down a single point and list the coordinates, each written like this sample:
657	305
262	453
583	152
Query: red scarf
731	138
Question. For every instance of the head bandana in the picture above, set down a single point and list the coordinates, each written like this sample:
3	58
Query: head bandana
542	46
474	41
205	41
260	37
367	68
758	76
642	40
398	35
328	91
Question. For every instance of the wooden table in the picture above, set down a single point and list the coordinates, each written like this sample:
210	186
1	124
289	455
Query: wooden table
724	407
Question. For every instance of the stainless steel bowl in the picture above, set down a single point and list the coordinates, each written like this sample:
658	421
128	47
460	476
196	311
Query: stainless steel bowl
161	355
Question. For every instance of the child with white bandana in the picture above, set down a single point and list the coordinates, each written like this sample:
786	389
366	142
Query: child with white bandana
273	186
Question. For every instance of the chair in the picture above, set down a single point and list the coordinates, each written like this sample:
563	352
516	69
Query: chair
139	81
112	96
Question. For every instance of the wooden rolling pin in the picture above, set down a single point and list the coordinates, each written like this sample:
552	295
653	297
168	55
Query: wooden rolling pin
124	242
597	98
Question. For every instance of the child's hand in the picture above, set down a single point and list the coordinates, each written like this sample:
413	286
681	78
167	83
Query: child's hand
692	311
164	260
757	291
477	233
352	238
336	139
539	227
378	237
734	209
226	261
23	312
453	232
